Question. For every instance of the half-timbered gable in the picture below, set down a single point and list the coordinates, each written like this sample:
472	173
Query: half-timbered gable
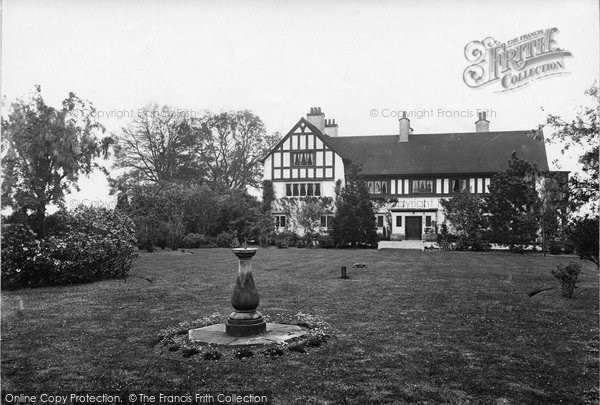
303	163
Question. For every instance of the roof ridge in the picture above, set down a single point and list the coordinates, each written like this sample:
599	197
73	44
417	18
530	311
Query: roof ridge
439	133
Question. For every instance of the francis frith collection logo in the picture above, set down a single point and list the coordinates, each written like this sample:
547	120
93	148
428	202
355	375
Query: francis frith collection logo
514	63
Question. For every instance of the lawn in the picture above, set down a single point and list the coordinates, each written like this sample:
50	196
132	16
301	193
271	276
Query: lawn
422	327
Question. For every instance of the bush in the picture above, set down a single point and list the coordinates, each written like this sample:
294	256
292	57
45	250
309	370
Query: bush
91	244
567	275
286	239
554	248
282	243
174	233
519	249
192	241
583	234
227	240
325	241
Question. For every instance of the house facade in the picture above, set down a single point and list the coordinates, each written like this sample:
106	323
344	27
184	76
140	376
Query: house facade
407	173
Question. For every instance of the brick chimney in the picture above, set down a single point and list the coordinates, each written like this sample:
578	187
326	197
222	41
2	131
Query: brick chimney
482	125
331	128
316	117
405	129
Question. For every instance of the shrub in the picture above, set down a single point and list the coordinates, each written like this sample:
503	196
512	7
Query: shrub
301	243
325	242
282	243
174	233
224	239
286	239
554	248
445	239
567	275
212	355
93	243
243	353
583	234
516	249
192	241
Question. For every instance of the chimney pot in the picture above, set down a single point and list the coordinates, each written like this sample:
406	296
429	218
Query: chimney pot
317	118
482	125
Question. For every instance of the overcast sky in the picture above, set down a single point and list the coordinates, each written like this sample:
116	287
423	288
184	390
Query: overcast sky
278	59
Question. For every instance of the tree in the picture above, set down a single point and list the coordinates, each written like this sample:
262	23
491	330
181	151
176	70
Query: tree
582	133
354	221
583	231
238	214
237	141
553	204
465	212
158	214
268	195
200	209
161	145
513	204
309	215
45	150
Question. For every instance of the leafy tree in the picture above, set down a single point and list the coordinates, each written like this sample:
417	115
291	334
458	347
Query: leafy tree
238	214
583	232
268	195
157	211
465	212
161	145
513	204
582	133
553	204
309	216
45	150
201	207
237	141
354	221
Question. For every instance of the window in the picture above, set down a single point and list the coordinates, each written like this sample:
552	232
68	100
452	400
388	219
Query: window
377	187
302	189
280	221
422	186
460	185
303	159
327	221
379	221
398	221
428	220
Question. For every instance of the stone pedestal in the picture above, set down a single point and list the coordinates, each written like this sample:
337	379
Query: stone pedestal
245	320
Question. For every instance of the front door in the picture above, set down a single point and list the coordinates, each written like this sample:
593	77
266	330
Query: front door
414	228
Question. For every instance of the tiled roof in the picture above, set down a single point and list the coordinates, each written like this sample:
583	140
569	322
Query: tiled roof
452	153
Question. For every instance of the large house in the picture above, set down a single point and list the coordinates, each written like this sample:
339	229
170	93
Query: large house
407	173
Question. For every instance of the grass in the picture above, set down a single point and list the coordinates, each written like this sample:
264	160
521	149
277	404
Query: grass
428	327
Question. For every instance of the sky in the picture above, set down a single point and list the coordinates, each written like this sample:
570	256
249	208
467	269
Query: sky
360	62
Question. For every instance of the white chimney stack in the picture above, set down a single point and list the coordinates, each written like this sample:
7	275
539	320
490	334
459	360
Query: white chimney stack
482	125
331	128
316	117
405	129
